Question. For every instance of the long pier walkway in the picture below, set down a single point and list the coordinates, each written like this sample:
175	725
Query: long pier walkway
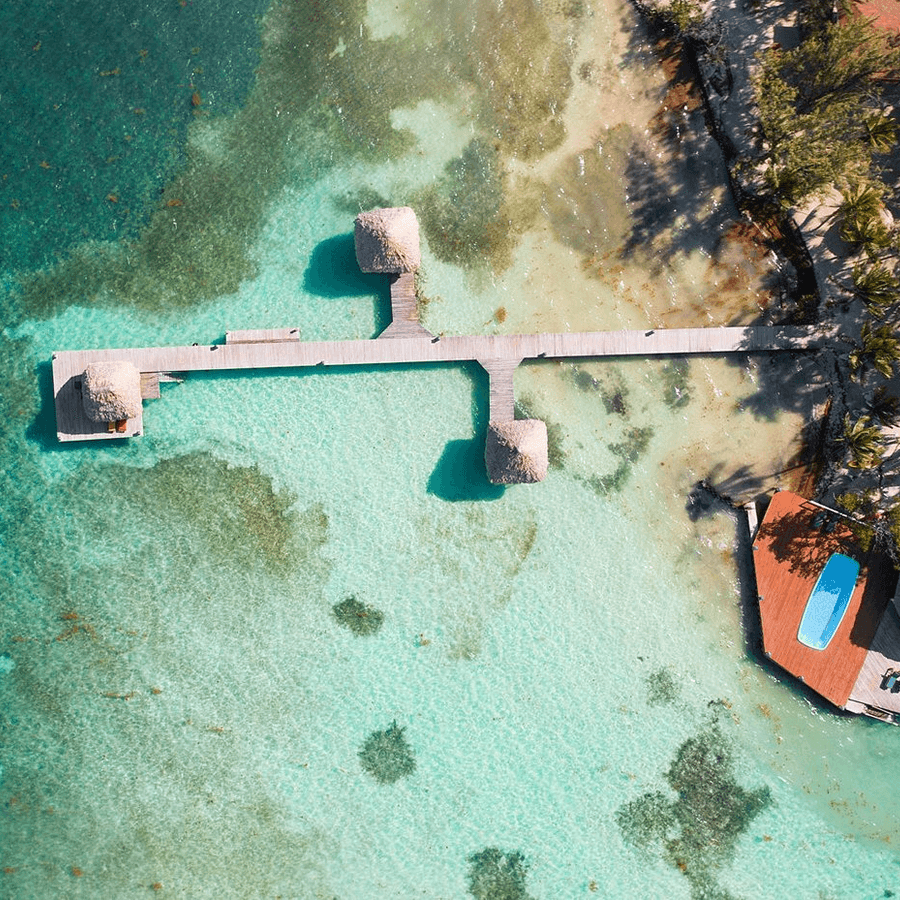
498	354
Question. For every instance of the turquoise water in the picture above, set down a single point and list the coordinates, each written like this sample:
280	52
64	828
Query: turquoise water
551	692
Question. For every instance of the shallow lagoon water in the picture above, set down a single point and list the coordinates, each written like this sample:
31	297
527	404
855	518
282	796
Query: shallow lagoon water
182	707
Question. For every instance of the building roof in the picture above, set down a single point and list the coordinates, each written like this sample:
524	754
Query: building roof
795	540
111	391
883	13
387	240
515	452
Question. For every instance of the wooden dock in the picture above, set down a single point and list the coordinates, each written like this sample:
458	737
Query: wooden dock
502	389
404	309
869	694
500	354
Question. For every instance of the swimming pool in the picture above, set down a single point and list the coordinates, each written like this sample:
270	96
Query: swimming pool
828	601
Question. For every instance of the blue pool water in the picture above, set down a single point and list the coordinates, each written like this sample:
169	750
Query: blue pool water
289	642
828	601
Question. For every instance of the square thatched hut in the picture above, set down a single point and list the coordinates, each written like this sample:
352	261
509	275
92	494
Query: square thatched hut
516	452
387	240
111	391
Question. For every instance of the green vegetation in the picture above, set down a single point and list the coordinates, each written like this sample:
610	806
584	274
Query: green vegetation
387	756
863	442
862	225
884	407
878	349
826	124
871	523
821	108
683	17
877	287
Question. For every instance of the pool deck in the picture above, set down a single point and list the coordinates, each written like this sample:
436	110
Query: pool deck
790	550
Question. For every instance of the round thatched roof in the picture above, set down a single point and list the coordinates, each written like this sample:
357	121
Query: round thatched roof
111	391
387	240
516	452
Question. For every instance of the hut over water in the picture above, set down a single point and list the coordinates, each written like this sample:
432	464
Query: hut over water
516	452
111	391
387	240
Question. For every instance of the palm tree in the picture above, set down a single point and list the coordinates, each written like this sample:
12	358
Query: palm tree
861	223
884	408
877	286
863	442
881	132
878	348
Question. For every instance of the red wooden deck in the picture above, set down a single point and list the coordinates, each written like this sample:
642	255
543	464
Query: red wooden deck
789	553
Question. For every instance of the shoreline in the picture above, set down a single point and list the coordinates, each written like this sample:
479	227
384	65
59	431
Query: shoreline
721	77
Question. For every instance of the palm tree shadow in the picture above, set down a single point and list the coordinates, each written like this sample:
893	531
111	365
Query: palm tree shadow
806	539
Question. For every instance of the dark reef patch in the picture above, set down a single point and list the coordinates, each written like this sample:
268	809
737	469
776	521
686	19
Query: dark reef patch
235	511
358	617
662	687
697	828
629	451
611	387
635	444
496	874
470	217
387	756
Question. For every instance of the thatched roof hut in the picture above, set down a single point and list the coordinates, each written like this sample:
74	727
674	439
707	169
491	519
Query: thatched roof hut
111	391
387	240
516	452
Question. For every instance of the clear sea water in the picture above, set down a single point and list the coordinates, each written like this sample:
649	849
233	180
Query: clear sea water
579	708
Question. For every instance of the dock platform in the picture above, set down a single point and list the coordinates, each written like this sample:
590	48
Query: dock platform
278	348
795	541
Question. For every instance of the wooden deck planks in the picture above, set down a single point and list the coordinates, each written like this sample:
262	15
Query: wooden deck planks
150	386
262	336
502	392
789	554
883	656
244	350
404	309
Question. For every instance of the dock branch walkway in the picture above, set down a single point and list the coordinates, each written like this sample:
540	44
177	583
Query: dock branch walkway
498	354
